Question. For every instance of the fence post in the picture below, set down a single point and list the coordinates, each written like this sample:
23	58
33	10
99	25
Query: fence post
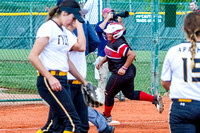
31	24
155	38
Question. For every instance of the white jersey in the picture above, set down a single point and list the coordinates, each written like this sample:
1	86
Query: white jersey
78	59
185	82
54	55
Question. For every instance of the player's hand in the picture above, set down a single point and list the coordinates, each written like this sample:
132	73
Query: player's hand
121	71
98	66
54	84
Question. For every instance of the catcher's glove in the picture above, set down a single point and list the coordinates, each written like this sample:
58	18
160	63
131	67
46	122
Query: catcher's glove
90	96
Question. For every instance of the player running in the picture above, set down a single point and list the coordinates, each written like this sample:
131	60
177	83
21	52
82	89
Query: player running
181	75
120	57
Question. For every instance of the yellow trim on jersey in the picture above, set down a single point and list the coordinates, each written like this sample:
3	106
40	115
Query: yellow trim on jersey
185	100
70	119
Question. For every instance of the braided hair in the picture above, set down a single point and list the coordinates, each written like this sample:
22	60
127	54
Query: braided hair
192	29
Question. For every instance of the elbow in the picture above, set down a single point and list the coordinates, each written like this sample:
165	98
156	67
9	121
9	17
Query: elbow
82	49
166	84
30	57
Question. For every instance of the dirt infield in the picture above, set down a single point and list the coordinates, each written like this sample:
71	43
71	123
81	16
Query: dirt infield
134	117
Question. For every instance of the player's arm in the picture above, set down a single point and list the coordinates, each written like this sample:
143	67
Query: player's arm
166	84
80	45
38	47
101	62
130	58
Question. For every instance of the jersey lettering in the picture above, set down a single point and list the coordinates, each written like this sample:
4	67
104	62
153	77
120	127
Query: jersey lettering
62	39
196	69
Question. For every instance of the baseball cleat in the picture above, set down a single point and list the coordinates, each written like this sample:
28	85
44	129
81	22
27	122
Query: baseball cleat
108	119
158	103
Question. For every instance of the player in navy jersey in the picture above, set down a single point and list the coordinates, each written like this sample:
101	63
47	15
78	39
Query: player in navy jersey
120	57
181	75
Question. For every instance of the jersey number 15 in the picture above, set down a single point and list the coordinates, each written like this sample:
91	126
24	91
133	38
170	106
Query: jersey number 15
194	70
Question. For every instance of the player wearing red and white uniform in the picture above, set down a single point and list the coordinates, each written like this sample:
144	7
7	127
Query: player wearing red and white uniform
120	57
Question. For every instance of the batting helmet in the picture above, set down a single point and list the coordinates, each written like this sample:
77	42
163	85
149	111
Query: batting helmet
116	29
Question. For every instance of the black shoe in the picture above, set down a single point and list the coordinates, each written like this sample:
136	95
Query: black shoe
109	129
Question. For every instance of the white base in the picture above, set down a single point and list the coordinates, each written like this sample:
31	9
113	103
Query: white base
112	123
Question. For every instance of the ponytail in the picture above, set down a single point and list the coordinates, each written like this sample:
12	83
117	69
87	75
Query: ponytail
53	12
193	38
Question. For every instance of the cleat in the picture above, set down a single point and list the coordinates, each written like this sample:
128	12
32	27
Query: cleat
108	119
158	103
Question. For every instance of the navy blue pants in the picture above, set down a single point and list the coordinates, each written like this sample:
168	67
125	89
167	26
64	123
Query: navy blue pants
81	107
124	83
61	106
185	117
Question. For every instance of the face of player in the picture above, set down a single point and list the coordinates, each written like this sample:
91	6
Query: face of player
110	36
67	19
193	6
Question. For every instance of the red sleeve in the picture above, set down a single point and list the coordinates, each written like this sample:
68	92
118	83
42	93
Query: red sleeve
123	50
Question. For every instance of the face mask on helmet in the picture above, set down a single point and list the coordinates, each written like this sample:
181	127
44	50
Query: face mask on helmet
116	29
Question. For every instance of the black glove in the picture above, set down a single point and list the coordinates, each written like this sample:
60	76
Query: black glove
90	95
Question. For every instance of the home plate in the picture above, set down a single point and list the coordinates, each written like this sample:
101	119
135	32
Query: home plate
112	123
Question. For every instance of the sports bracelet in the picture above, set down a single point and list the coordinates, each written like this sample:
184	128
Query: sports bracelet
124	68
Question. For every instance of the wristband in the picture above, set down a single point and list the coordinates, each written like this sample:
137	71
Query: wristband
124	68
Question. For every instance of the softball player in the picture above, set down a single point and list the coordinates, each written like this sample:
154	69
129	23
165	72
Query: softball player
120	57
85	112
49	57
180	75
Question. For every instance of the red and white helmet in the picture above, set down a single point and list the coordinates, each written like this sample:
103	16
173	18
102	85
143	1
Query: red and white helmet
116	29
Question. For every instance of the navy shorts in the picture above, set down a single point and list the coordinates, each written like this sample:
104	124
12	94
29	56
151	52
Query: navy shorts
184	116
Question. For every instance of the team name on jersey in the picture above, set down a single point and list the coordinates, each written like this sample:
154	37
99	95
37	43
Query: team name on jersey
187	49
62	40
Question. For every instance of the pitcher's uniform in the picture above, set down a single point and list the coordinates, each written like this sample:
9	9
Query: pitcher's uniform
54	58
185	87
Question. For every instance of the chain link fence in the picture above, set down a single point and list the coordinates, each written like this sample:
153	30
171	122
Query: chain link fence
21	19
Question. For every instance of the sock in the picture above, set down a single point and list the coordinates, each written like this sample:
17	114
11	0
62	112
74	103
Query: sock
146	97
107	110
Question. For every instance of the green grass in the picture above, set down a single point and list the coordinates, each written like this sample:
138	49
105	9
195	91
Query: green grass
19	76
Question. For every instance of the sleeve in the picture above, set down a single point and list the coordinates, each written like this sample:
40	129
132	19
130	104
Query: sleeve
98	29
166	70
72	39
123	49
44	31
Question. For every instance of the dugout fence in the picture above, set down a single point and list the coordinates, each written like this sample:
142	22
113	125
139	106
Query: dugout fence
150	33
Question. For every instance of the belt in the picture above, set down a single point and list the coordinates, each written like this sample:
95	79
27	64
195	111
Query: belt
74	82
183	100
56	73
